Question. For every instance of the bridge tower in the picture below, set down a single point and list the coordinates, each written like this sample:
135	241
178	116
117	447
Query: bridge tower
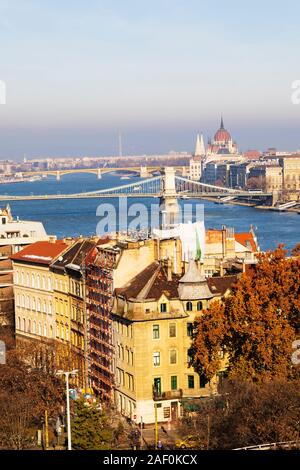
99	175
144	172
57	176
169	207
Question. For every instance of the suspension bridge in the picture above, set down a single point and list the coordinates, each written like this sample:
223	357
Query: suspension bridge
166	184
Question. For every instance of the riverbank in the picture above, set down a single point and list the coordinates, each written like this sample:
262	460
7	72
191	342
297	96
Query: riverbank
251	204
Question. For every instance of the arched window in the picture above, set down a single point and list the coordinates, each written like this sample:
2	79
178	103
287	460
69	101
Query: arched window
18	300
27	302
38	281
32	280
40	329
17	277
33	304
49	284
22	301
45	329
199	306
50	308
19	323
24	324
51	331
34	327
44	283
29	326
28	280
189	306
38	305
22	278
45	307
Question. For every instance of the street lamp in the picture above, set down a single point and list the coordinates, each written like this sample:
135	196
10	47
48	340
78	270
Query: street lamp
67	374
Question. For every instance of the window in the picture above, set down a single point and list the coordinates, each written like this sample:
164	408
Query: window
157	386
173	356
172	330
202	381
189	306
191	381
163	308
199	306
155	331
189	356
189	329
156	359
174	382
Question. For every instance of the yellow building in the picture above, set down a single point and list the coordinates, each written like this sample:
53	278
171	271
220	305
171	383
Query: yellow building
34	289
70	305
153	324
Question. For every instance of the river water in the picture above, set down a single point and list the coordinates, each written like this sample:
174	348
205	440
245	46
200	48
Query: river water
68	217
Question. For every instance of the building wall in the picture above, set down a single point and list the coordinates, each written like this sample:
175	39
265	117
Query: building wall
291	173
34	301
136	349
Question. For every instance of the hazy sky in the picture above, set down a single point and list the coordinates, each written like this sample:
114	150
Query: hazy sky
160	70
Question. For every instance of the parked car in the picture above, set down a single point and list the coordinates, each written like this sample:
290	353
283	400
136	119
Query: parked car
189	442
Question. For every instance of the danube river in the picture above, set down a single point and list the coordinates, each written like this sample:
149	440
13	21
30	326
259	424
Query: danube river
68	217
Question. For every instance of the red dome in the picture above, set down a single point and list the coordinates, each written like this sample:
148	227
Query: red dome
222	136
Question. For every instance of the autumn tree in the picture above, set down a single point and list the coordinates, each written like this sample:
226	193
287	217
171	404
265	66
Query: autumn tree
247	414
256	324
26	391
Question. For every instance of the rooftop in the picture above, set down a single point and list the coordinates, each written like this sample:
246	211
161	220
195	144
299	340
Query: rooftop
43	252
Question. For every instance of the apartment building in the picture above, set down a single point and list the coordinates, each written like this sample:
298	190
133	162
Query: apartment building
34	290
153	318
15	234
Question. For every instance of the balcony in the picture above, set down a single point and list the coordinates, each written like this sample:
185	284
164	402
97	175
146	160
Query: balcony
168	395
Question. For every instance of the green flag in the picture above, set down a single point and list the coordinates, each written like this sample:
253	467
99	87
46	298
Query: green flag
198	247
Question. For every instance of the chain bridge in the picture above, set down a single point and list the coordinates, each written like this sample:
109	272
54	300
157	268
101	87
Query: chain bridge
166	184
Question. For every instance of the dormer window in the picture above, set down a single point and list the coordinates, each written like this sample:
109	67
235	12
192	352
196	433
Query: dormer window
163	308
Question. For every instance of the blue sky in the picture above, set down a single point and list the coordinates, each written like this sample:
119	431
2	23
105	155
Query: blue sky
78	72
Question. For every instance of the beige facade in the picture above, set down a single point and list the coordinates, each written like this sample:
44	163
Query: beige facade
291	173
273	178
153	323
34	301
195	172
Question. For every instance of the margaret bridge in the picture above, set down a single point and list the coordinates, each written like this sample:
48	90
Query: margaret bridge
168	183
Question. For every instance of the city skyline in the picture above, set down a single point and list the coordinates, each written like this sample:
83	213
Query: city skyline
77	76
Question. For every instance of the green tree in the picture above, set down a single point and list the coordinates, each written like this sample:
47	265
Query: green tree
90	428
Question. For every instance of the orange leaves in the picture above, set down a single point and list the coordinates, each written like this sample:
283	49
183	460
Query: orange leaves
258	322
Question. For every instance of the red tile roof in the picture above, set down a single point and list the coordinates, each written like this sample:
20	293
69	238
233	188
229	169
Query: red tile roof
41	252
246	239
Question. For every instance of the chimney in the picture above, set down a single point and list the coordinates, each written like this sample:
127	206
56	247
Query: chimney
52	239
